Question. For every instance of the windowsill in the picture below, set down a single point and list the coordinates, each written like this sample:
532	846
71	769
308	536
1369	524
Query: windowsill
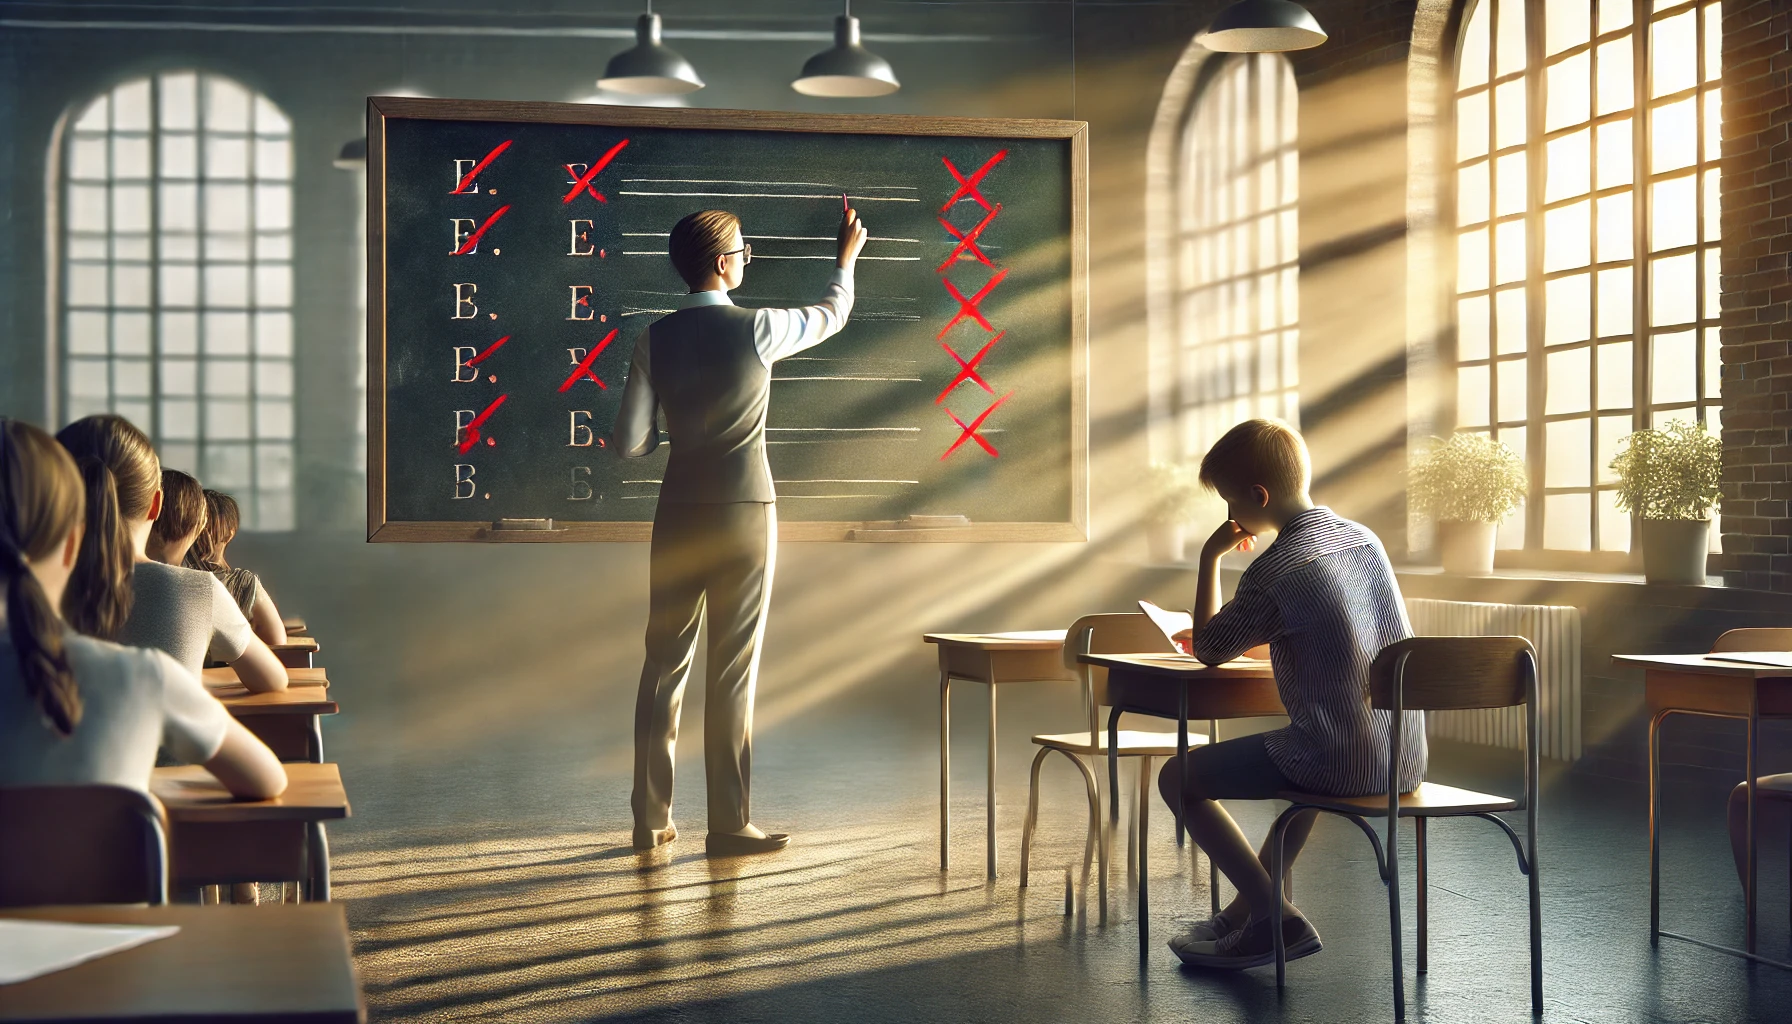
1578	576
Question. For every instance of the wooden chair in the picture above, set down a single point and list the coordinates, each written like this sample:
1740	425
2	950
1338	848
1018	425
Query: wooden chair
1434	673
1106	633
81	844
1768	788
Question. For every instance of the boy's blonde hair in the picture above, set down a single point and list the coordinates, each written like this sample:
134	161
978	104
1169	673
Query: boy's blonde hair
1260	451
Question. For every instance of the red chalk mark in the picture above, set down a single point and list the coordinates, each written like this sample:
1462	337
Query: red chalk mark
491	442
489	349
970	432
583	182
493	378
967	240
584	368
471	434
480	166
968	307
968	186
968	371
472	241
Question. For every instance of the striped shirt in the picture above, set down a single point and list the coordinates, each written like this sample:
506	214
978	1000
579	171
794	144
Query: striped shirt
1323	596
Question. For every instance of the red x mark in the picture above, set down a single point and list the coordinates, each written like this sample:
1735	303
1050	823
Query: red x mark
472	241
583	182
584	369
968	307
968	371
480	166
970	432
493	347
470	436
968	186
967	240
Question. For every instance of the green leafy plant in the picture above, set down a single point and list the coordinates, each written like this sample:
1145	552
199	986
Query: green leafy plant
1672	473
1175	493
1469	478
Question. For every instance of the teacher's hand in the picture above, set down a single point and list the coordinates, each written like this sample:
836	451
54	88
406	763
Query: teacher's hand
852	238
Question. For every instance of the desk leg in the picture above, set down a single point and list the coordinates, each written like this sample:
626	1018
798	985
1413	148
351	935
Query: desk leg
1655	827
1750	889
1181	767
992	782
315	741
317	854
945	768
1213	870
1144	856
1114	766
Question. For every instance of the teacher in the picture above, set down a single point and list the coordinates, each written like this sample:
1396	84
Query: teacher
715	533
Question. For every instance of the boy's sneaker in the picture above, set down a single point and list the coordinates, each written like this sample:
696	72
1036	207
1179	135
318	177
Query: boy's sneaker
1205	931
1252	946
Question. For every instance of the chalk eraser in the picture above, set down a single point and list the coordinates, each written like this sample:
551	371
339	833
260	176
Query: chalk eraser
523	524
934	522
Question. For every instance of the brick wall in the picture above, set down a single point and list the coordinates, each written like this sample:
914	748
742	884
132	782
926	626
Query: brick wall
1757	294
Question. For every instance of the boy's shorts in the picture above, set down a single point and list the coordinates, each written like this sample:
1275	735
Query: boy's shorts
1237	769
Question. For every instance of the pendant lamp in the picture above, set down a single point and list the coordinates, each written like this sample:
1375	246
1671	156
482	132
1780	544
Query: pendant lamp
1262	26
848	70
649	68
353	155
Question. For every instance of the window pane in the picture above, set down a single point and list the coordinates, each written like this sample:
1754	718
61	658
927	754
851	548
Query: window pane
1471	396
1713	284
1567	241
130	334
1714	370
179	208
1673	365
180	334
226	334
273	334
227	285
87	208
1511	531
273	207
89	378
87	333
1566	92
1675	211
180	156
1614	526
1614	90
226	208
1615	302
1672	291
273	159
1675	139
130	286
1471	261
130	158
1471	68
130	378
1509	114
1510	177
1568	309
228	464
1472	328
1673	57
1509	48
1472	198
180	99
1569	166
1568	25
1613	14
1615	376
1569	447
226	105
130	107
180	377
1616	229
1509	254
1616	164
1512	385
269	119
1712	198
1567	384
226	157
1471	126
1510	324
1567	522
180	420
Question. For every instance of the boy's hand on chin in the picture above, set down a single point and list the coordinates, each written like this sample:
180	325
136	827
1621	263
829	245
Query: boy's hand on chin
1230	536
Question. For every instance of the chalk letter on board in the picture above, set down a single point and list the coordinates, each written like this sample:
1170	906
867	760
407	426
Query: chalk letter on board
463	170
462	353
581	237
463	480
581	299
462	418
464	306
463	227
581	489
581	430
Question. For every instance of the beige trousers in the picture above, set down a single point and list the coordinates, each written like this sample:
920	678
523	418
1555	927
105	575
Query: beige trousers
714	562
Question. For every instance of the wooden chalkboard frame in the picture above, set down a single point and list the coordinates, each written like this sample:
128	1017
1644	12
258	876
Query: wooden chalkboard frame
379	108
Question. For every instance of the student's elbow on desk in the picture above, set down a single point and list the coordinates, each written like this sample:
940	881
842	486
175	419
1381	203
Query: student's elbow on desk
259	669
245	766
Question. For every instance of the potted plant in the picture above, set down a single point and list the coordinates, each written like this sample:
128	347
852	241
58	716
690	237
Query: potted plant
1466	485
1669	478
1175	493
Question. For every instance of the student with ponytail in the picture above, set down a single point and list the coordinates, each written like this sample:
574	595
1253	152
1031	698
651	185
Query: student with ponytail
146	603
222	517
73	709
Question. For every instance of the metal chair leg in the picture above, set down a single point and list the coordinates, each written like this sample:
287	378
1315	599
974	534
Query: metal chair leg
1276	832
1100	843
945	769
1423	887
1026	832
1394	917
1144	854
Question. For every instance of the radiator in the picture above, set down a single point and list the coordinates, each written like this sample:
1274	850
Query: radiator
1554	630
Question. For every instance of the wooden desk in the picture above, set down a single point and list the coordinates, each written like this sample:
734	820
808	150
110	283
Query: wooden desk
296	652
214	838
225	676
240	964
993	659
1708	686
295	626
1179	687
286	720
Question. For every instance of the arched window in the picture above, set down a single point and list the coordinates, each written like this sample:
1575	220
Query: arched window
1232	255
175	279
1587	231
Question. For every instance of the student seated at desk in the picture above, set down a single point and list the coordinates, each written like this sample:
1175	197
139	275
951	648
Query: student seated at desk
119	593
74	709
1323	596
222	518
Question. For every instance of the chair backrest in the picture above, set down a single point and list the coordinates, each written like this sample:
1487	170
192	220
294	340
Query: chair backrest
1109	633
81	844
1755	639
1452	673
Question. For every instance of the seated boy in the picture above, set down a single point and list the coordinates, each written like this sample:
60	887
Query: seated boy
1323	596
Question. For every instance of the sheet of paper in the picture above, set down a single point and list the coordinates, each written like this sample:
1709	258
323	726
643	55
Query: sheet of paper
1171	623
1772	659
29	949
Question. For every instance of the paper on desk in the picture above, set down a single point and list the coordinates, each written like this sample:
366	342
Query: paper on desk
1169	622
32	948
1772	659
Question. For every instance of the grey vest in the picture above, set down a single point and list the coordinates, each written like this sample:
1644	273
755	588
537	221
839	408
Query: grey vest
714	388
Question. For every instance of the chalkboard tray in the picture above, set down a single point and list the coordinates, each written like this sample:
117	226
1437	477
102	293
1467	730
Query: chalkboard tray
516	253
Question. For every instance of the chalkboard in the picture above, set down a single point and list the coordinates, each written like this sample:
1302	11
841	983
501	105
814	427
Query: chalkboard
516	251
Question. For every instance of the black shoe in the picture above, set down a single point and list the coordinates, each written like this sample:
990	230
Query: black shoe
722	844
1253	945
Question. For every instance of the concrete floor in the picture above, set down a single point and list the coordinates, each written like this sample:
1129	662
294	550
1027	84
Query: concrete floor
501	887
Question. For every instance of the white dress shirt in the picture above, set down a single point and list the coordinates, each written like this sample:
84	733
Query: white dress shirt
777	334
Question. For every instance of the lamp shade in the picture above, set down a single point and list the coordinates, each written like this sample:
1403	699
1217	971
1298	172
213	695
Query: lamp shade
848	70
1262	26
353	155
648	68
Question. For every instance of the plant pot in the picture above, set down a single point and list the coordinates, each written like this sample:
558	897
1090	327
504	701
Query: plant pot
1674	550
1466	548
1163	541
